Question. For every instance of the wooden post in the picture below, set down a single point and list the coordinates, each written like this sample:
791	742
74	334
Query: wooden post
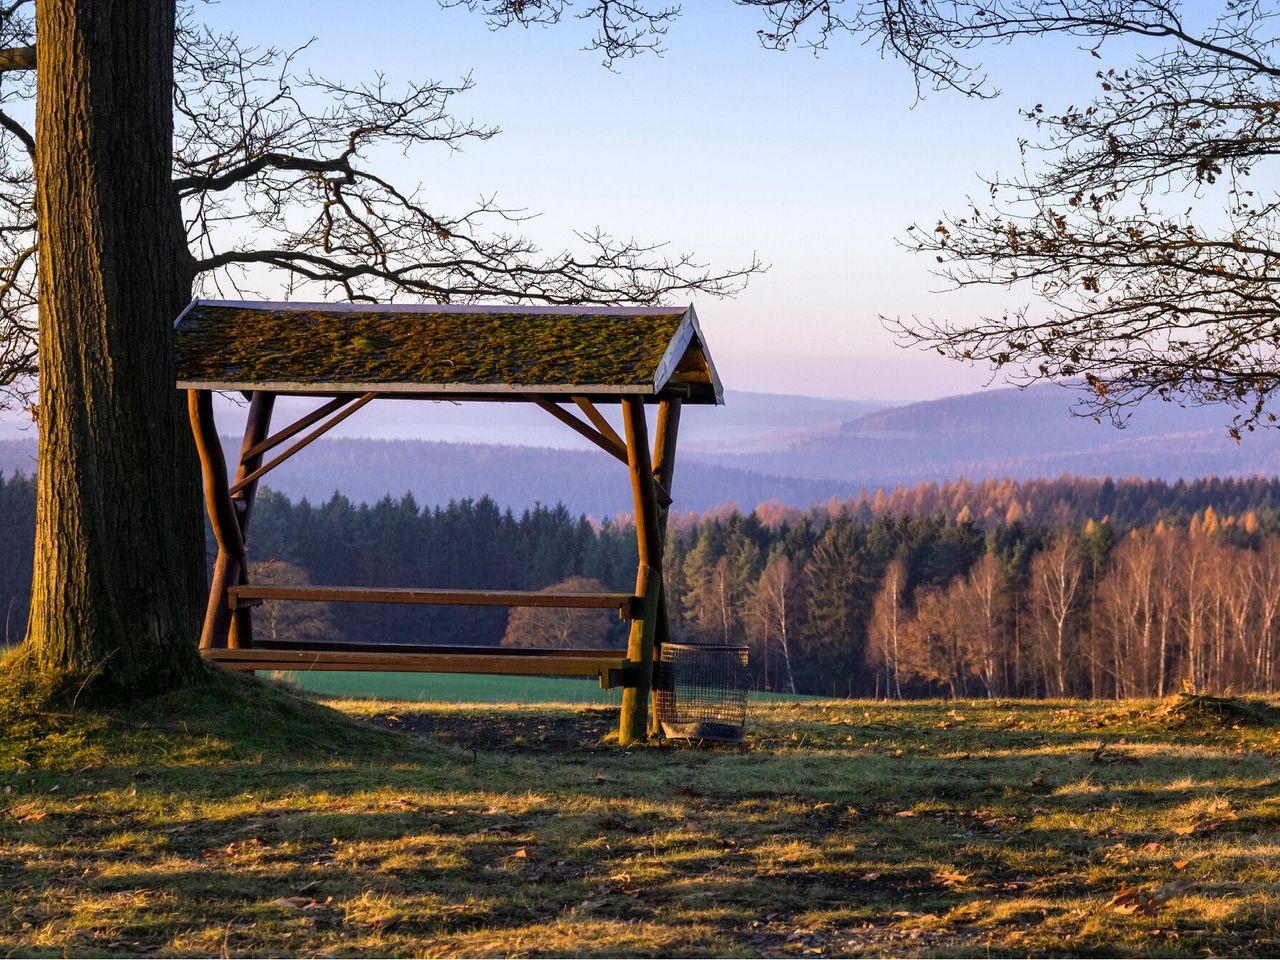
257	426
634	720
222	517
664	468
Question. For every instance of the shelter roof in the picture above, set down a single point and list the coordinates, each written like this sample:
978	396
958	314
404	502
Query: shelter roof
467	351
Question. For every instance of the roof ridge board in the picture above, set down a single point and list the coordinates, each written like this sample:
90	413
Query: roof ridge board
716	386
688	331
394	387
349	307
676	347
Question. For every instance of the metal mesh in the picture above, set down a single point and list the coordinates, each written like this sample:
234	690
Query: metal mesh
701	691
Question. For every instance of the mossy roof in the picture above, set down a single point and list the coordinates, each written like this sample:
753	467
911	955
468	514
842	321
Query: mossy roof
450	349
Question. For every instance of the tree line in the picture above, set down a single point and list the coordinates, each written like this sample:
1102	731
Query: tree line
837	600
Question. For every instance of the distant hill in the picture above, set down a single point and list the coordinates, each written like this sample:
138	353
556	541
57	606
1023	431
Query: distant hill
586	481
1019	434
747	421
797	450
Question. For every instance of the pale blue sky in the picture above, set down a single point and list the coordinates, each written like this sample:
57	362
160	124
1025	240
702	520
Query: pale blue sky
816	164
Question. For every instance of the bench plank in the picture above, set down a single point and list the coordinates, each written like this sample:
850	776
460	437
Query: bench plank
622	602
610	669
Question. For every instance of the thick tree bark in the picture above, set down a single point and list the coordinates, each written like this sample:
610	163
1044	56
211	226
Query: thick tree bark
118	579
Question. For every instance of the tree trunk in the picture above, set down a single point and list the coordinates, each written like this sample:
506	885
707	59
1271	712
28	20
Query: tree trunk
118	575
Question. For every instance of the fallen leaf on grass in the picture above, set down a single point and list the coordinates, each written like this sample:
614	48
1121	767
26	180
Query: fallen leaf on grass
1131	900
905	813
26	813
950	877
1206	826
1180	864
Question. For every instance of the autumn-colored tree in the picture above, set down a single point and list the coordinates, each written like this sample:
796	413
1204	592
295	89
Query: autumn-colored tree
1124	617
931	647
560	628
292	621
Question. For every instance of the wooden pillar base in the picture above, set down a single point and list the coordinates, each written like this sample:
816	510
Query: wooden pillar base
633	724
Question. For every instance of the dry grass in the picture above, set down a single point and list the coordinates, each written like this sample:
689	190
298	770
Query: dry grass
242	820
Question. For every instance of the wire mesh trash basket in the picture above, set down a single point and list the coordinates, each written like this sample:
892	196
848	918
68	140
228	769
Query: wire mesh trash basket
701	691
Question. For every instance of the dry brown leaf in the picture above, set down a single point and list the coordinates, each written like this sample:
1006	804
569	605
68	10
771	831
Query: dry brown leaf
1131	900
1180	864
905	813
951	877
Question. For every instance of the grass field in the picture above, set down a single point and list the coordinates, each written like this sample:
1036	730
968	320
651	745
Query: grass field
453	687
241	819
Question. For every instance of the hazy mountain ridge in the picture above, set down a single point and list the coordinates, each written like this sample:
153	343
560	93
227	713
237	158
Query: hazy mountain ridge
1020	434
435	472
800	453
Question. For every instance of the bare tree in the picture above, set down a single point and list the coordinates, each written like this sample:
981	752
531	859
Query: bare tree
889	617
308	620
1124	614
558	627
775	602
988	595
1053	599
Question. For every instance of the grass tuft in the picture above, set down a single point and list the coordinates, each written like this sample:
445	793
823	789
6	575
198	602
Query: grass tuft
1207	712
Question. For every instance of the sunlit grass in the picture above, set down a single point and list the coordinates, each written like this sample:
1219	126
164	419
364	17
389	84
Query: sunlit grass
240	819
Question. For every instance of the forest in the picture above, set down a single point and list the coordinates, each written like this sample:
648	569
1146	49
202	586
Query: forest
1069	587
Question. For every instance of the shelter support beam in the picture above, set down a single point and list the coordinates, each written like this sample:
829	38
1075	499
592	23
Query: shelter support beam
228	515
634	720
596	417
253	475
609	445
257	425
319	413
664	467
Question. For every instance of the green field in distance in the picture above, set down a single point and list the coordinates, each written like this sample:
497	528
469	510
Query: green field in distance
453	687
464	687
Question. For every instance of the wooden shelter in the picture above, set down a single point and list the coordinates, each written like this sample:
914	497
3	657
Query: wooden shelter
570	361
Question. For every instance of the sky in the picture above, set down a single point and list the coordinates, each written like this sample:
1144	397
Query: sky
815	164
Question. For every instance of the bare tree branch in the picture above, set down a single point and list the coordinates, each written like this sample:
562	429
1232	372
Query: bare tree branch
17	58
270	181
278	173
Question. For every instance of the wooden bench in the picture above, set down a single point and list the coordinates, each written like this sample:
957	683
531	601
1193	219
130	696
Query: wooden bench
247	595
611	668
